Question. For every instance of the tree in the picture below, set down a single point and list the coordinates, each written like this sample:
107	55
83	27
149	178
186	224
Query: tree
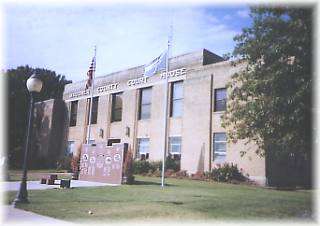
18	104
270	100
127	175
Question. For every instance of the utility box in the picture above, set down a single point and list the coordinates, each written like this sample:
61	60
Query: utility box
102	163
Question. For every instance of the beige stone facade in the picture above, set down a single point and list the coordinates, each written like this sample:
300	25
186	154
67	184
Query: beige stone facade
201	73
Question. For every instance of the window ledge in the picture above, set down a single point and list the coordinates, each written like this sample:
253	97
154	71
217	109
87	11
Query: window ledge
116	122
176	117
218	112
144	120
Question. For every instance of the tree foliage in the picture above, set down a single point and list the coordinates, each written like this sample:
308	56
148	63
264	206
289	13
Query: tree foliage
18	104
270	101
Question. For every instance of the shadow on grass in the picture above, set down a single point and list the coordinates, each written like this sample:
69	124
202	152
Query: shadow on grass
170	202
140	182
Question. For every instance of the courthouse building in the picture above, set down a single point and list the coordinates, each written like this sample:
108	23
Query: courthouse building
129	108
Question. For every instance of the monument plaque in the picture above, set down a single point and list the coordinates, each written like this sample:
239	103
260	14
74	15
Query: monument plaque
102	163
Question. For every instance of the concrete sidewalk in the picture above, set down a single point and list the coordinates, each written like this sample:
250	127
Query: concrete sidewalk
35	185
11	215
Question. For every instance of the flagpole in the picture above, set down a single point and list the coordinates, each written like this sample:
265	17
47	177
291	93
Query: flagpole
91	97
166	109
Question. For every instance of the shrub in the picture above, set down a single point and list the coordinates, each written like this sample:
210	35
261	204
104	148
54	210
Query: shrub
182	174
172	164
64	163
227	173
141	167
169	173
198	176
155	166
146	167
75	167
207	175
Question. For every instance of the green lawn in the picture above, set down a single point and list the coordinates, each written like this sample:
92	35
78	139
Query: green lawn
179	200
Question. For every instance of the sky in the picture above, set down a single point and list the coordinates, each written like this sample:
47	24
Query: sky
61	37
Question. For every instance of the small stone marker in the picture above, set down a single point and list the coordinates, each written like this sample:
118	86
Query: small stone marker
53	177
64	183
50	182
43	180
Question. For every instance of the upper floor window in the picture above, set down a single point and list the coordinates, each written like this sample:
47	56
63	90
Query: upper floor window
94	113
176	104
73	113
220	99
116	112
145	103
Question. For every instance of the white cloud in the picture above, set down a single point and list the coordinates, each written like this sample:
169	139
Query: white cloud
243	13
63	39
227	17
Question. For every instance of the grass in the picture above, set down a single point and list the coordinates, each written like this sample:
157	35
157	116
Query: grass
15	175
179	200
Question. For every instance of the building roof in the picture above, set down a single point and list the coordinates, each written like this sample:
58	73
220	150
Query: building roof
196	58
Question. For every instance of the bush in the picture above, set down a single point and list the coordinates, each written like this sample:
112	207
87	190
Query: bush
227	173
141	167
172	164
75	165
64	163
155	166
146	167
198	176
169	173
181	174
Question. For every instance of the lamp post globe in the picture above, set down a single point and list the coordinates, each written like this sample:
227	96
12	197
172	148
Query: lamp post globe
34	85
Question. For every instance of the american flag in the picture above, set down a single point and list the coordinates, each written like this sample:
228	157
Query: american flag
90	73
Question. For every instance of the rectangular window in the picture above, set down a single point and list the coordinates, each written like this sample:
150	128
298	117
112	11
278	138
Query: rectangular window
175	145
73	113
116	112
94	114
143	148
219	147
145	103
176	104
220	99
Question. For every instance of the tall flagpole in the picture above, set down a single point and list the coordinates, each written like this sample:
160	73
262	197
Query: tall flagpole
166	109
91	92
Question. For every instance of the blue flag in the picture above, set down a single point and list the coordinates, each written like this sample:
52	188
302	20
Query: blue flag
156	65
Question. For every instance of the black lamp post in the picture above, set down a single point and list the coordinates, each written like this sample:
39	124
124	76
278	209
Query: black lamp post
34	85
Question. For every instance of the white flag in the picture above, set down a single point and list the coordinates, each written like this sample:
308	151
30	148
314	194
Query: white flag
156	65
